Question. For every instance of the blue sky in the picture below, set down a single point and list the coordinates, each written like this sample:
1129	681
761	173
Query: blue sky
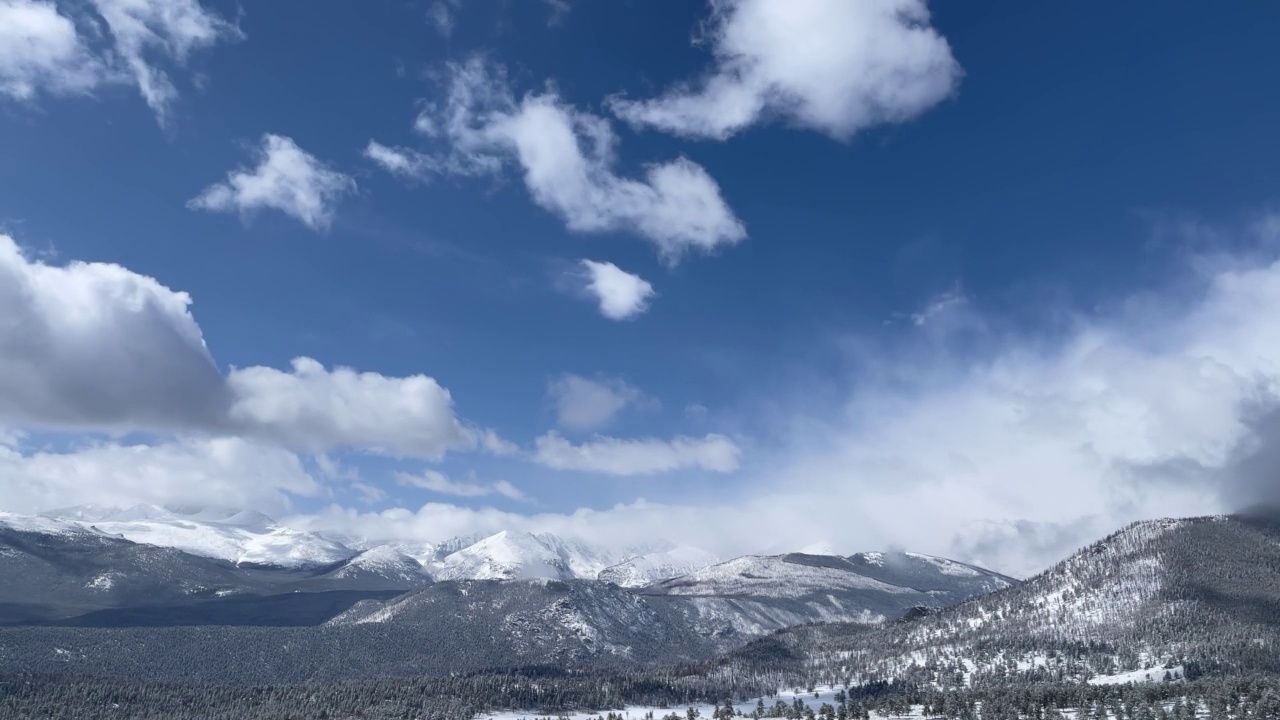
864	240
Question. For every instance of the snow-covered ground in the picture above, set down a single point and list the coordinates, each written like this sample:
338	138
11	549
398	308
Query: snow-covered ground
945	566
1139	677
825	694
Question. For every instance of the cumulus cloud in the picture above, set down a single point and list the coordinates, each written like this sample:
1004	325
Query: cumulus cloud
41	51
835	66
584	404
286	178
312	409
96	346
648	456
568	158
438	482
145	30
93	346
223	472
620	294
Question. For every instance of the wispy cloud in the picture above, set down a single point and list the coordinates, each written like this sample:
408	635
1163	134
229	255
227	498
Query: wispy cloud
567	157
170	29
646	456
43	50
584	404
438	482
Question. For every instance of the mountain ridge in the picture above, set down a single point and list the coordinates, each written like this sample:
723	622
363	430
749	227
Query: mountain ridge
1189	595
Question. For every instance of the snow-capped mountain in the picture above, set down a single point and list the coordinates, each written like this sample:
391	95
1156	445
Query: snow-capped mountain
506	556
757	594
650	567
508	597
238	536
384	562
1179	595
778	576
952	579
246	537
145	566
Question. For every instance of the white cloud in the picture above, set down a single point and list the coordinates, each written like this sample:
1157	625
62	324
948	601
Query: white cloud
41	50
10	438
369	494
314	409
568	158
836	66
620	294
438	482
92	346
335	469
441	15
405	162
493	443
1011	454
172	29
225	472
287	179
44	50
583	404
945	305
616	456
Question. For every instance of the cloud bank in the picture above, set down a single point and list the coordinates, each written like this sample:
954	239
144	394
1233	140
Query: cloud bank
1005	447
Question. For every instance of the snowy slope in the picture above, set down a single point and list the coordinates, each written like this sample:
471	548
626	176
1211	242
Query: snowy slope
386	562
505	556
233	535
954	580
584	560
511	555
651	567
754	595
778	576
41	524
1162	594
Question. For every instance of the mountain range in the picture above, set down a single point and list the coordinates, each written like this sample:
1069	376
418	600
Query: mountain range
1184	612
1180	598
97	583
